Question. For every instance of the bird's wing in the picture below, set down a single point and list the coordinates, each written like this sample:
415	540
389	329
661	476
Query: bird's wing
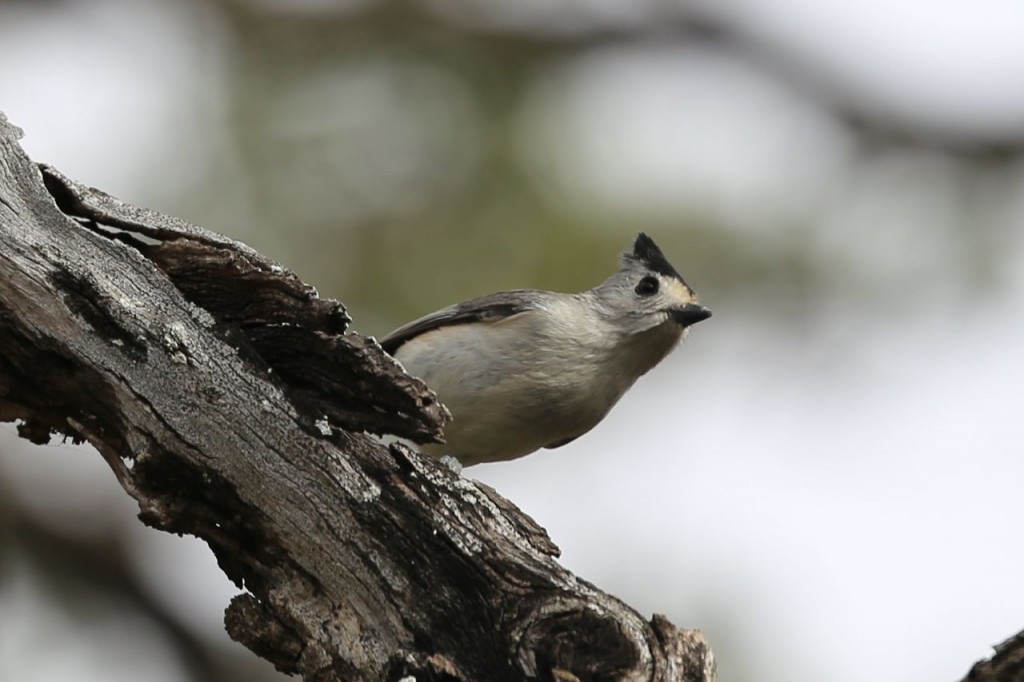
484	309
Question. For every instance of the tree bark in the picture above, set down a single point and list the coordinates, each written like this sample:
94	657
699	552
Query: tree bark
232	403
1005	665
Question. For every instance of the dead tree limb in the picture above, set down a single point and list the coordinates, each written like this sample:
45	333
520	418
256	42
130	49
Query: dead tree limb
1005	665
232	403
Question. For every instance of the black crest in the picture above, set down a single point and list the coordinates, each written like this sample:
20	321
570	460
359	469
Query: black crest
646	252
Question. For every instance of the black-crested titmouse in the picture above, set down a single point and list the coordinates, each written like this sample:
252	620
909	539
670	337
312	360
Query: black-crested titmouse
527	369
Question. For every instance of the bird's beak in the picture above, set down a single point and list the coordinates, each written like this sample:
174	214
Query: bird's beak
688	314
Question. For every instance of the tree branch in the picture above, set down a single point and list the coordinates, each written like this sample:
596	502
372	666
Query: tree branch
232	404
1005	665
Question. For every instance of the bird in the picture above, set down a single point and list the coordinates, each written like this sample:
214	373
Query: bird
527	369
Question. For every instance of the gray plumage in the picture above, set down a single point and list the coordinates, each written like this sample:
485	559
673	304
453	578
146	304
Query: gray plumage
525	369
484	309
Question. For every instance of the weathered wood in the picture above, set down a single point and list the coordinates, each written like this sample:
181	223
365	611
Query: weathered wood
232	403
1005	665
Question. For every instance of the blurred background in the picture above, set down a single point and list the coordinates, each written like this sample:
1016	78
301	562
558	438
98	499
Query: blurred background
826	478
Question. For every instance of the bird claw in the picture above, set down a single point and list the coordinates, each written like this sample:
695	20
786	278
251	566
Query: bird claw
452	463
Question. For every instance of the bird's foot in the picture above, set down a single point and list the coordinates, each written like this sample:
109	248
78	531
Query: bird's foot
452	463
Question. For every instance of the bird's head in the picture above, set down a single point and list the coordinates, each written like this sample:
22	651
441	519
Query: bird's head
648	292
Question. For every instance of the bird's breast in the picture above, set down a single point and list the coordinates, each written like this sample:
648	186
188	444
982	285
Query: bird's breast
516	386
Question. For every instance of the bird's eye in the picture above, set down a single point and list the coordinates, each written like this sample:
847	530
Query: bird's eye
648	286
